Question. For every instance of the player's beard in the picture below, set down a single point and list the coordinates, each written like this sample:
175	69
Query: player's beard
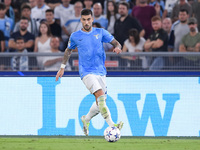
87	29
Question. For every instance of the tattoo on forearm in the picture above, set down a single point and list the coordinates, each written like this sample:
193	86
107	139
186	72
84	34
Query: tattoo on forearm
115	43
67	55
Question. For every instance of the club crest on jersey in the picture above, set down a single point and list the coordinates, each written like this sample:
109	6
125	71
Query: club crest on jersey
97	36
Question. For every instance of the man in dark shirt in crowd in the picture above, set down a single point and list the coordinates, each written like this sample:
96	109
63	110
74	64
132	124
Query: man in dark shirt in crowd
55	28
144	12
157	42
125	23
23	32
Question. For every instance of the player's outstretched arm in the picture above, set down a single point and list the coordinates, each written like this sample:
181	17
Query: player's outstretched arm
117	46
66	57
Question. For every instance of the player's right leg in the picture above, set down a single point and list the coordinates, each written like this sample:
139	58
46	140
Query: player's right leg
89	80
85	125
94	110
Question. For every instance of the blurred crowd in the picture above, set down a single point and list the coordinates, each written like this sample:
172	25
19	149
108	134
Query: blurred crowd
139	25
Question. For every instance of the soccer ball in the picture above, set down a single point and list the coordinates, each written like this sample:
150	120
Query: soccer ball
112	134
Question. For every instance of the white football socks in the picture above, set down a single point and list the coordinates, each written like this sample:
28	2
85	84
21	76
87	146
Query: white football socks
105	112
94	110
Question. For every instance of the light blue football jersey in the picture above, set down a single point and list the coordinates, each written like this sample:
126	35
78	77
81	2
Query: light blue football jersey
90	50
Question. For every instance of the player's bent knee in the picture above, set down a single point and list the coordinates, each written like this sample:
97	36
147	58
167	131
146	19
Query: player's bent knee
102	106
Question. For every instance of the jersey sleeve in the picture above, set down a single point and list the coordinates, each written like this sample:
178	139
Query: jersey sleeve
106	36
71	43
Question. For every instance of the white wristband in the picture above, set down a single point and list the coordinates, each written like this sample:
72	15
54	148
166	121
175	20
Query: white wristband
62	66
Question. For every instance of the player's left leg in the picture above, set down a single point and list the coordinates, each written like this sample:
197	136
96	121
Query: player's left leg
104	109
105	112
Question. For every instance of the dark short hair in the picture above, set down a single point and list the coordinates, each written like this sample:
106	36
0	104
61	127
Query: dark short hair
184	10
125	4
19	38
24	18
25	7
49	10
86	12
2	6
98	25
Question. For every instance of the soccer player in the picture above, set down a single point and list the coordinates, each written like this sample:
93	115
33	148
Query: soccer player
89	42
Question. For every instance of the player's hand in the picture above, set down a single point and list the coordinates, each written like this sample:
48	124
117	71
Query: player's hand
59	73
117	50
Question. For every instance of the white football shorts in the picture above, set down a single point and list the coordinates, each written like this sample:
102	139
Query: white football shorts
95	82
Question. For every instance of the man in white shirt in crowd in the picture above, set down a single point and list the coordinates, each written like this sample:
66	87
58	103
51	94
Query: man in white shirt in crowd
38	12
62	14
74	22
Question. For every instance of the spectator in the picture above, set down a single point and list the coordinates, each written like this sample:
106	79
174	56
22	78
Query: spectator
88	4
133	44
62	14
2	42
38	12
74	23
52	63
55	28
9	10
166	25
53	3
159	6
33	3
143	12
169	5
196	12
20	62
23	32
32	24
190	43
111	15
6	24
179	29
98	17
17	4
125	23
157	42
182	4
42	42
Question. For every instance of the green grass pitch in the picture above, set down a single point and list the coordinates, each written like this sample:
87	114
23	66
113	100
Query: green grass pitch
98	143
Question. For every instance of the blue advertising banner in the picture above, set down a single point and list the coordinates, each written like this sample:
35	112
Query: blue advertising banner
148	106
